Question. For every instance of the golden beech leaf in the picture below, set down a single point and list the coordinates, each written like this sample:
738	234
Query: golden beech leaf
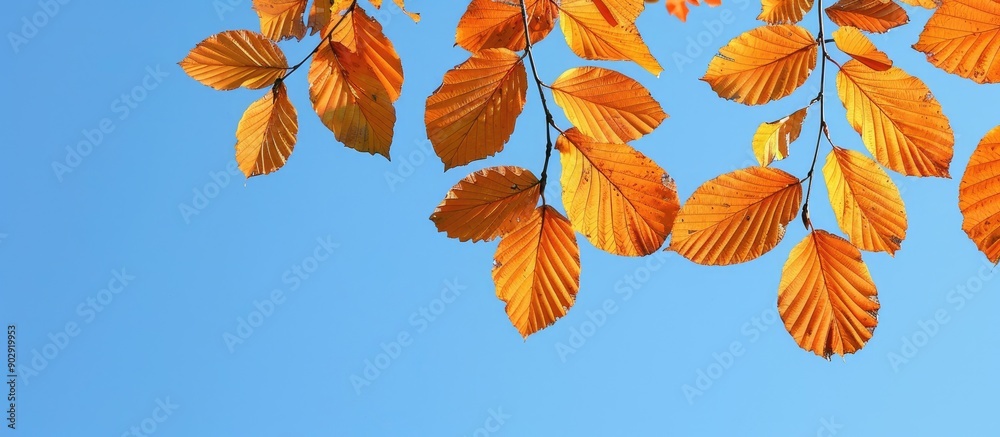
400	3
537	270
679	8
487	204
350	100
322	11
363	34
606	105
591	36
489	24
876	16
736	217
236	58
927	4
963	38
866	202
898	118
472	114
266	133
618	198
281	19
977	194
827	298
770	142
763	64
784	11
850	40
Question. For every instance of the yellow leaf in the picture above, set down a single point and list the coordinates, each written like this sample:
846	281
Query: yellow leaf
827	298
679	8
770	142
784	11
618	198
866	202
963	38
487	204
413	16
281	19
591	36
350	100
472	114
363	34
977	194
736	217
851	41
899	120
266	133
606	105
927	4
763	64
869	15
236	58
322	11
537	270
489	24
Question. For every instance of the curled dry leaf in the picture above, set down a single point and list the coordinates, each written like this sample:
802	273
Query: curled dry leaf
770	142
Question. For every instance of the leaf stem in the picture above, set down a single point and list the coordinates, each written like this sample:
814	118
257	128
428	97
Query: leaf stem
823	128
549	121
349	10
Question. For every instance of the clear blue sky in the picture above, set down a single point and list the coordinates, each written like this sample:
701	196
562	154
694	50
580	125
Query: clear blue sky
357	262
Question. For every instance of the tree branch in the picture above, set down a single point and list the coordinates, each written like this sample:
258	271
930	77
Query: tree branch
549	121
350	9
823	128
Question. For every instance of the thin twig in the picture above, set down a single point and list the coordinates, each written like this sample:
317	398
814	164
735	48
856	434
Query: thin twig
350	9
549	121
823	129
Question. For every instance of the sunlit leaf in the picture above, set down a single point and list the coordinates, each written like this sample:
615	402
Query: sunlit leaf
236	58
826	297
606	105
400	3
679	8
281	19
591	36
865	201
963	38
489	24
770	142
537	270
869	15
363	34
266	134
978	193
322	11
736	217
851	41
927	4
487	204
784	11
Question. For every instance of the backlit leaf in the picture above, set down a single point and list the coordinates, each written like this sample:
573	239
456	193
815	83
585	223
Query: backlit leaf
869	15
851	41
927	4
978	193
266	134
236	58
487	204
400	3
591	36
865	201
784	11
323	11
618	198
606	105
363	34
963	38
736	217
537	270
489	24
826	297
281	19
770	142
679	8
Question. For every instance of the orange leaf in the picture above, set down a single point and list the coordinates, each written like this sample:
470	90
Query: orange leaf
763	64
350	99
899	120
472	114
235	58
977	194
489	24
266	133
866	202
869	15
322	11
618	198
363	34
963	38
591	36
770	142
413	16
851	41
487	204
537	270
927	4
281	19
736	217
679	8
827	298
784	11
606	105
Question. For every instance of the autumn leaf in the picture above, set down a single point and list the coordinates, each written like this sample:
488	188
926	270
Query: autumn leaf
978	193
927	4
235	58
590	35
537	270
322	11
615	196
679	8
854	43
487	204
784	11
489	24
472	114
606	105
400	3
350	100
826	297
899	120
281	19
763	64
876	16
865	201
736	217
963	38
266	134
770	142
363	34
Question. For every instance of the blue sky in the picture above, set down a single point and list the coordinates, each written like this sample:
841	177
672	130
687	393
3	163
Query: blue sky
127	301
